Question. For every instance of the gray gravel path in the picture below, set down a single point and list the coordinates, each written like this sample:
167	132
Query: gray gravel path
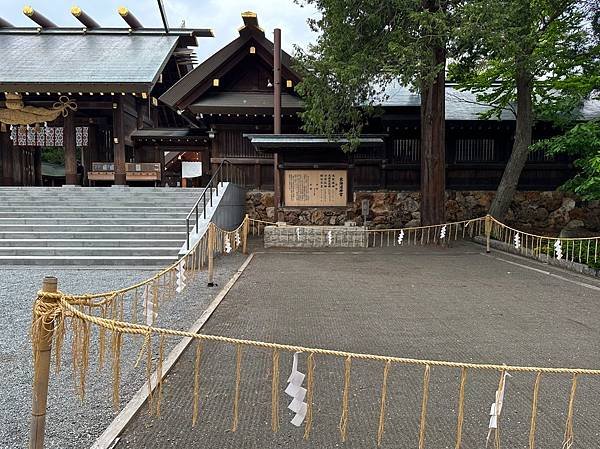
71	423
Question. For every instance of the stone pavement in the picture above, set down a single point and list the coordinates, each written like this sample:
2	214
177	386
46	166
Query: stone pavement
455	304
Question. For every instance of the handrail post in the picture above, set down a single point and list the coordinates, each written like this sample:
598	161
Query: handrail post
42	346
196	219
187	225
245	245
204	204
211	251
488	232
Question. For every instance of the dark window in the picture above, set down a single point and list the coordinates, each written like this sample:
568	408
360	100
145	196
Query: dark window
475	150
406	151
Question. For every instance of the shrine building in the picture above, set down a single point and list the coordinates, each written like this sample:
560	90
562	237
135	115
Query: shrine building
136	105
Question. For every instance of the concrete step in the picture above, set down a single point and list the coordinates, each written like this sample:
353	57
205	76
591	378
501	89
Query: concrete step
87	251
45	228
96	226
103	212
83	243
100	220
93	235
158	261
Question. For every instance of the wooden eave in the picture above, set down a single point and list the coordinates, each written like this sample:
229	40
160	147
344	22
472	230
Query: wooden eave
199	80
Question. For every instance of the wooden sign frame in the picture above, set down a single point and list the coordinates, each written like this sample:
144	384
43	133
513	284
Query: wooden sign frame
315	188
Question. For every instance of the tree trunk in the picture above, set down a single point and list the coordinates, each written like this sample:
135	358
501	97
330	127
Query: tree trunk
433	151
520	150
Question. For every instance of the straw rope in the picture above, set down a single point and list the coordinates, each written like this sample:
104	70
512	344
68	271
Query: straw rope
461	408
107	312
426	374
345	397
310	390
534	409
381	426
196	405
275	392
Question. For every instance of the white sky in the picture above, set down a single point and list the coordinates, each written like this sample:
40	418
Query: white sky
223	16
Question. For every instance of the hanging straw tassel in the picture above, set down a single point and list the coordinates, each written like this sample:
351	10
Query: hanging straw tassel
568	439
196	406
101	340
275	391
534	401
148	344
159	373
85	357
424	407
381	426
310	390
59	339
344	417
116	366
461	408
236	398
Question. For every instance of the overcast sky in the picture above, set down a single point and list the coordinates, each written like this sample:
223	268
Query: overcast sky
223	16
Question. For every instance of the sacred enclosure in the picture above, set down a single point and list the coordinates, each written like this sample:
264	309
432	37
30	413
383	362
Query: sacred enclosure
211	274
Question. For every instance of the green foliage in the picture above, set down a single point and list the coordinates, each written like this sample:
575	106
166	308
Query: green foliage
53	155
364	45
582	142
547	42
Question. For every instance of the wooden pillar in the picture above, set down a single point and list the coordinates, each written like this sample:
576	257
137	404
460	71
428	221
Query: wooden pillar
161	158
89	154
277	116
69	146
37	165
6	153
119	142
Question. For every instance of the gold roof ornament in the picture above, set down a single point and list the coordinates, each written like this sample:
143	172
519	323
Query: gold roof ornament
16	113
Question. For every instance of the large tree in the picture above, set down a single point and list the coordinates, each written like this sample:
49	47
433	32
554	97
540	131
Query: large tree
536	57
363	45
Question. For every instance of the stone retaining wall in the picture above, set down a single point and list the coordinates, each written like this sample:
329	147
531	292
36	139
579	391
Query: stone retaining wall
314	237
531	210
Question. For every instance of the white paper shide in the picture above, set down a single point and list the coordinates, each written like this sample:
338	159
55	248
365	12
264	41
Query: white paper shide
181	278
297	393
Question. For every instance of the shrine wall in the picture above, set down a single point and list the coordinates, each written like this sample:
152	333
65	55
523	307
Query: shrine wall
550	211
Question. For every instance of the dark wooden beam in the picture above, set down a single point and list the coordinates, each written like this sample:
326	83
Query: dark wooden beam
37	165
69	147
6	153
119	142
277	118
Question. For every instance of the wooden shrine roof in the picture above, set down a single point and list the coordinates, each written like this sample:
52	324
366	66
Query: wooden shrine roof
96	61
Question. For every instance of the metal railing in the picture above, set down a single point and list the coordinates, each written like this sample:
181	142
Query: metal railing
225	172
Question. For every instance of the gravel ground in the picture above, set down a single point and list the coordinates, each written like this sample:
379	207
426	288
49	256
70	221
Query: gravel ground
70	422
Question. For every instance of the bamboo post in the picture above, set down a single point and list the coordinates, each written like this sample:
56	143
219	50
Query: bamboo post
488	232
245	245
211	254
42	351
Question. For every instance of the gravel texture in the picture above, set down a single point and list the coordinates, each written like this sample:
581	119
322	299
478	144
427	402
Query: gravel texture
70	422
425	302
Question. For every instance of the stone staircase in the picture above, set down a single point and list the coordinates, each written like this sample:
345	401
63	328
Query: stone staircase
133	226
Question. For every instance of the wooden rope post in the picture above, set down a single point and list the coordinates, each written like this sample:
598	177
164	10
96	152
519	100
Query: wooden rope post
245	244
211	254
488	232
42	352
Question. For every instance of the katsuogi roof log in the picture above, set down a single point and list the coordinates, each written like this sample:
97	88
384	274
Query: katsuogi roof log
84	18
38	18
131	20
